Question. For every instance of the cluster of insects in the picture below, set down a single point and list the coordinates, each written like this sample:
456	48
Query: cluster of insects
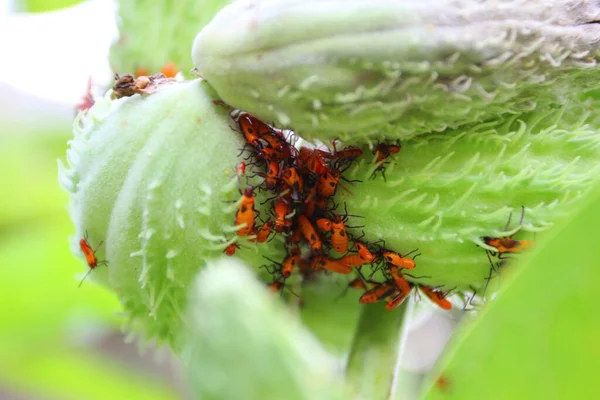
302	183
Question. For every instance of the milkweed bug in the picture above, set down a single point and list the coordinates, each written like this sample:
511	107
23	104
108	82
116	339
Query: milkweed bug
90	256
263	233
379	292
401	283
240	169
339	237
324	224
357	283
246	213
398	260
272	174
396	300
438	297
383	151
282	210
310	234
353	260
507	244
323	262
289	264
327	184
364	252
230	250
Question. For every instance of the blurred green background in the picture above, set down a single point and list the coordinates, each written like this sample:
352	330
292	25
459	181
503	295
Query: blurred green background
57	341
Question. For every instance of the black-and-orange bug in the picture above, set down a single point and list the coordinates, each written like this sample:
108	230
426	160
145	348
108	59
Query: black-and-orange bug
324	262
378	293
246	213
90	256
383	151
353	260
438	297
328	182
230	250
240	168
364	252
272	177
357	283
398	260
282	210
312	161
292	179
263	233
401	283
250	127
275	286
288	265
396	300
339	237
324	224
309	233
507	244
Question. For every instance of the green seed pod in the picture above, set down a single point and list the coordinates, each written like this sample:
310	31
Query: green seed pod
445	192
244	345
153	178
352	69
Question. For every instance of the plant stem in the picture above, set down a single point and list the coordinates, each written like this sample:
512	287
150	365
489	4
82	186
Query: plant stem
375	350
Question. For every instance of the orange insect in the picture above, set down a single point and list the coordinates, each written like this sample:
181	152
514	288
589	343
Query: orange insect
230	250
282	210
339	237
328	182
438	297
379	292
507	244
364	252
310	234
323	262
353	260
383	151
251	128
401	283
396	300
275	286
398	260
90	256
240	169
357	283
312	161
272	175
289	264
292	179
246	214
324	224
169	70
264	232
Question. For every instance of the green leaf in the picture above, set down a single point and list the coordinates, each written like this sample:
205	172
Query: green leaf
539	338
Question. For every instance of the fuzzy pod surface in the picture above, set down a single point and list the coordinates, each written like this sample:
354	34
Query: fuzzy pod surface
446	191
349	69
152	178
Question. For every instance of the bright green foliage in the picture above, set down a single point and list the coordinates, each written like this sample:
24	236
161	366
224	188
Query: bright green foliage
538	339
244	345
46	322
35	6
152	33
370	68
